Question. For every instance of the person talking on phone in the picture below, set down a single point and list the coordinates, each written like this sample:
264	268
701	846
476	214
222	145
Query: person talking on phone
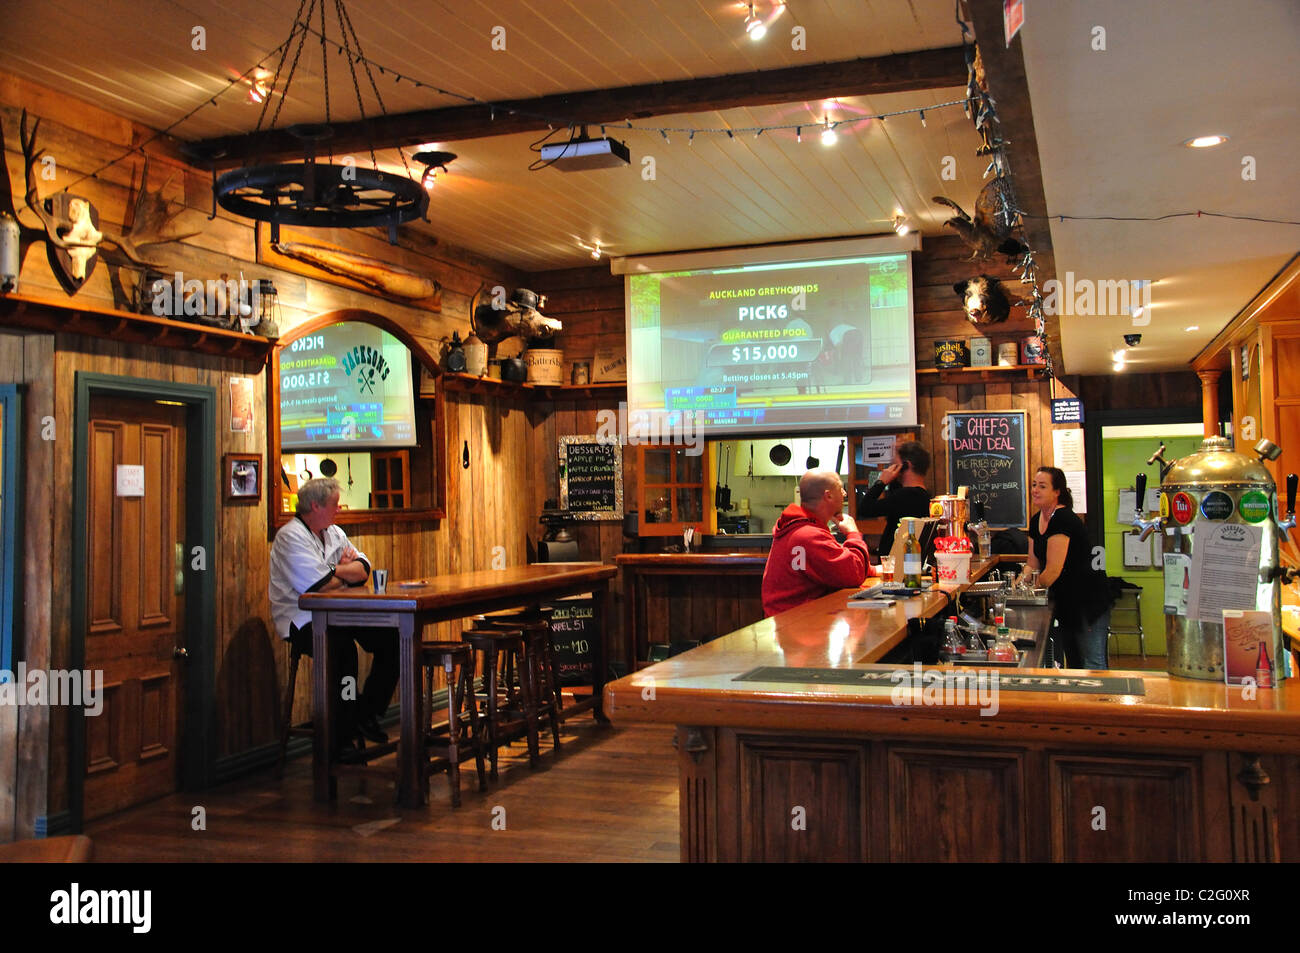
900	492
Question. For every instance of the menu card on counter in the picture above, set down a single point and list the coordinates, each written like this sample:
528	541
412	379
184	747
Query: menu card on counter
1225	570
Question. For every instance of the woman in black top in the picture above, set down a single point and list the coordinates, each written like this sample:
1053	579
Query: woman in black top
1062	553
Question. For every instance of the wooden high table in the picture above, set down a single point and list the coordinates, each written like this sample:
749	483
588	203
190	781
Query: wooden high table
811	769
408	609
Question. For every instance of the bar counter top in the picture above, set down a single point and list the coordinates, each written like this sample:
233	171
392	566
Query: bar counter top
699	687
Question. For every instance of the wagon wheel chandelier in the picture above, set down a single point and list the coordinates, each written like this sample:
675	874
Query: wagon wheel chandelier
313	194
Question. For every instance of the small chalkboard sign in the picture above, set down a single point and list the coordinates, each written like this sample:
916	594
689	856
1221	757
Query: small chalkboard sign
591	478
573	639
988	452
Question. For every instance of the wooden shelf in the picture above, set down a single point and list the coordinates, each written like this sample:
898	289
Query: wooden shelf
53	316
470	384
1028	371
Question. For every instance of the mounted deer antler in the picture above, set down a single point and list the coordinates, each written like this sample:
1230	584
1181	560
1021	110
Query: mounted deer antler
152	214
151	220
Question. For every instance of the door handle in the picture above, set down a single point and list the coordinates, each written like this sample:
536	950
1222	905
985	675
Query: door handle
180	569
178	652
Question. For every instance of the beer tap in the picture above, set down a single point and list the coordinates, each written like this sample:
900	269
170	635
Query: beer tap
1146	527
1165	466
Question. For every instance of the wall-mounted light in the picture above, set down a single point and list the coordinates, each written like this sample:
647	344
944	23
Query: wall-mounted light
433	162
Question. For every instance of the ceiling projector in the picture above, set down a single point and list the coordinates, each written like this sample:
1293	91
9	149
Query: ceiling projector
579	155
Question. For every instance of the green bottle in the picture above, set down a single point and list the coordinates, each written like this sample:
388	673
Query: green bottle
911	558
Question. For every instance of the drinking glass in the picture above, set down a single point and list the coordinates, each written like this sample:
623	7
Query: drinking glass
887	568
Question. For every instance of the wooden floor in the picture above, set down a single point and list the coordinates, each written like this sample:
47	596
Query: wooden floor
611	795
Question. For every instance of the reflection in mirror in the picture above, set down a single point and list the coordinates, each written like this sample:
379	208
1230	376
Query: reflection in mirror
348	409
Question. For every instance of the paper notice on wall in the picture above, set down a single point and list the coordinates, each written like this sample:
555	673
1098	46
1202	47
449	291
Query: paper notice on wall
878	451
1067	455
1225	569
1178	582
1067	449
1137	551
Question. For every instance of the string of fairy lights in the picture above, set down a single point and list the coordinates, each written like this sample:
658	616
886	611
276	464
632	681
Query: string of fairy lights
978	105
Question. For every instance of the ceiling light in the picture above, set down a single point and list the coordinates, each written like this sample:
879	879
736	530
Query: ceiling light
900	225
1192	327
755	28
1205	142
828	134
595	251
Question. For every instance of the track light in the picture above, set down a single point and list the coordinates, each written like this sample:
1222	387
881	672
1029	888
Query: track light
595	251
900	225
828	134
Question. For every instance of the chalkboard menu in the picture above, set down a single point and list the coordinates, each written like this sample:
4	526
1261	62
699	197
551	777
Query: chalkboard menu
988	452
591	478
573	636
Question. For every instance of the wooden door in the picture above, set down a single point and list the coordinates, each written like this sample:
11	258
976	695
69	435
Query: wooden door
135	610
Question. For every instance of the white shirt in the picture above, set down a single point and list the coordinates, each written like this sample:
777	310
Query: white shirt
302	562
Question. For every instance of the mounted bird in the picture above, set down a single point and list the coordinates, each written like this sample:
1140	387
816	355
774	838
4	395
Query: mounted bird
989	232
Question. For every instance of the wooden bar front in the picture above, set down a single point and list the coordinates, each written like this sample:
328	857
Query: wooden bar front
1187	771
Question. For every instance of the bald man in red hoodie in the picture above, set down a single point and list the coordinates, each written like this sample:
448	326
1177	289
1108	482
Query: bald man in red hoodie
806	562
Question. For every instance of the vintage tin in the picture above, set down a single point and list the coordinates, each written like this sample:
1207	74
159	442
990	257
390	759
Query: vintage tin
981	352
951	354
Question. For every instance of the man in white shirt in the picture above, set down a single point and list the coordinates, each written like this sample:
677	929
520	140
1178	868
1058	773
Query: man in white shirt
311	554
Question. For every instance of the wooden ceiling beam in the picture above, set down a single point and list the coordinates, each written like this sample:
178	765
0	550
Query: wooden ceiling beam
898	73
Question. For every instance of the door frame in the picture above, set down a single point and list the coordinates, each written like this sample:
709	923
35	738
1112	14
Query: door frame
1094	423
196	755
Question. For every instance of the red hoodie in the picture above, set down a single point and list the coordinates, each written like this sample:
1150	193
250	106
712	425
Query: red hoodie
796	575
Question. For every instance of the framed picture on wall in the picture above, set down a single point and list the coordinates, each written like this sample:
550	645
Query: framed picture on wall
243	477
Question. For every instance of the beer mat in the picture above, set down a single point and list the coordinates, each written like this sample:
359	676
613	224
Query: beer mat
887	677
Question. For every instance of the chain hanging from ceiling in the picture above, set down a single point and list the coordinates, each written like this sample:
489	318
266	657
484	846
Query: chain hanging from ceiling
313	194
982	110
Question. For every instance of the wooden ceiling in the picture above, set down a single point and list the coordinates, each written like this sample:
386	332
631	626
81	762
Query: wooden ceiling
708	191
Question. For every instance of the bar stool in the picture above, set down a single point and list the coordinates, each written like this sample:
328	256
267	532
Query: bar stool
502	724
540	665
456	659
287	727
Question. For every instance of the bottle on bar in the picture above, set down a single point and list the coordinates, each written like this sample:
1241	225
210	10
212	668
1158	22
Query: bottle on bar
1263	668
1004	649
911	558
952	643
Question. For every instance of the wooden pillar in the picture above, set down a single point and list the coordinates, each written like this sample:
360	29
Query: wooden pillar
1210	400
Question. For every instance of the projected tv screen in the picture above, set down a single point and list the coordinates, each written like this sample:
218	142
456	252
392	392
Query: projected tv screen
346	385
821	344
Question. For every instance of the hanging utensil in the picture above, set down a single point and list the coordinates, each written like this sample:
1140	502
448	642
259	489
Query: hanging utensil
726	490
751	458
812	463
839	457
717	485
328	467
779	454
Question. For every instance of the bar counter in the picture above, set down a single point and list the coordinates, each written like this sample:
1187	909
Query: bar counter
1159	769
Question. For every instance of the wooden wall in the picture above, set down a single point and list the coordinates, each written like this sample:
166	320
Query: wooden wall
488	505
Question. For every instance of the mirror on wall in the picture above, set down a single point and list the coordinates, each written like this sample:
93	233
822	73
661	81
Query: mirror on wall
348	401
